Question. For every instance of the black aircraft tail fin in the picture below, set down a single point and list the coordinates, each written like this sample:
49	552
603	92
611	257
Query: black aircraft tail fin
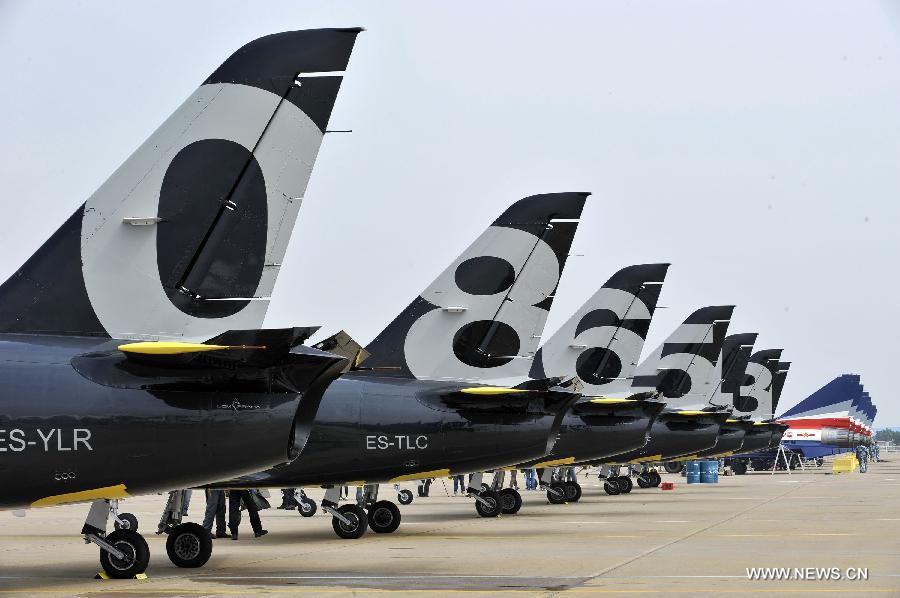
681	367
756	394
778	383
602	342
186	238
729	372
483	317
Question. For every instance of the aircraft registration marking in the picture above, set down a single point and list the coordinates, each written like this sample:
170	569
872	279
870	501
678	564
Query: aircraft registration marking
16	440
400	441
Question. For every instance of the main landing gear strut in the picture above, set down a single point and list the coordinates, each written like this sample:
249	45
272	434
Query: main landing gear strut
124	553
188	545
558	490
348	521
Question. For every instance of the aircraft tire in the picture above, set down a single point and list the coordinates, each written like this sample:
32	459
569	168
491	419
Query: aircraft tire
357	526
131	522
611	487
655	479
306	507
510	501
189	545
673	466
494	506
384	517
405	497
136	551
556	494
738	467
624	483
573	491
644	481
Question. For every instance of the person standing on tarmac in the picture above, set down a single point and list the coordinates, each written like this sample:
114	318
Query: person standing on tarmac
460	481
235	498
862	456
215	510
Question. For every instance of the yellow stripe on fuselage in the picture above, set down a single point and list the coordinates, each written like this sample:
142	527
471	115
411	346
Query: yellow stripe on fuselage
491	390
555	462
646	459
436	473
611	401
105	493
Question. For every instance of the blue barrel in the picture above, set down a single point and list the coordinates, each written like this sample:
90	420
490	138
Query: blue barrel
709	472
693	472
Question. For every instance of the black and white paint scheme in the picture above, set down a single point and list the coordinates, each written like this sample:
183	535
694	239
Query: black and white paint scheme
756	398
483	317
601	343
682	366
729	372
185	239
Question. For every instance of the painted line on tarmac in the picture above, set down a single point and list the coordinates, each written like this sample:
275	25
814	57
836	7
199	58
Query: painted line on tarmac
687	536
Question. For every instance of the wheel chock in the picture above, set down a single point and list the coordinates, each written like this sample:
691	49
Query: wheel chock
668	485
103	575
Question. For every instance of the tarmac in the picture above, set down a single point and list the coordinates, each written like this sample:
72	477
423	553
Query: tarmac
696	539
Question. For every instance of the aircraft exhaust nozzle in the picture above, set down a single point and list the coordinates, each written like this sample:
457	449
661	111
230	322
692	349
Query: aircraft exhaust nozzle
837	437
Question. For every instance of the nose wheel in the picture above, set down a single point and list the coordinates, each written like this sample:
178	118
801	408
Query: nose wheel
126	521
306	507
487	503
132	558
350	522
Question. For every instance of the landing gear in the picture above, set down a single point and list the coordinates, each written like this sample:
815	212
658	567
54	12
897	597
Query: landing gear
189	545
624	483
643	481
405	497
610	487
131	557
673	466
487	503
126	521
510	501
739	467
123	553
556	493
572	491
384	517
820	461
305	505
655	478
349	522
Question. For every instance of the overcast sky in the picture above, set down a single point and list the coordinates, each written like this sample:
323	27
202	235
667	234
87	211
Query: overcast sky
754	145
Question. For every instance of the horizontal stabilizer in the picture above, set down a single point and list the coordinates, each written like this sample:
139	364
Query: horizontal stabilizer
271	360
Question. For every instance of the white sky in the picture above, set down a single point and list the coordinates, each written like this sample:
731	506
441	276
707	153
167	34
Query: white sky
754	145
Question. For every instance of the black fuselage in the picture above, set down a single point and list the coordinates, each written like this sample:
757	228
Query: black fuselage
673	435
381	429
65	437
730	440
590	431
